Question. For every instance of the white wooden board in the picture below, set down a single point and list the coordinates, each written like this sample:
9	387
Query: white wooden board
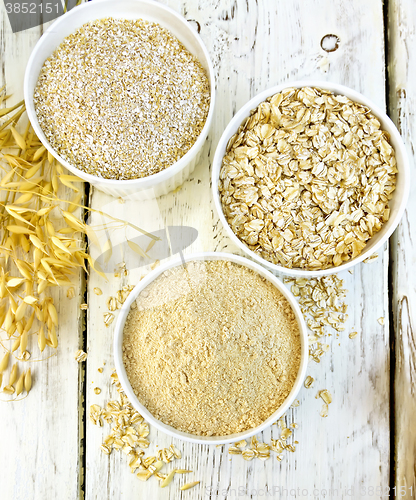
255	45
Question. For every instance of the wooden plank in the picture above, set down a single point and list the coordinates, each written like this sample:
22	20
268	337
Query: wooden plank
255	45
40	444
402	100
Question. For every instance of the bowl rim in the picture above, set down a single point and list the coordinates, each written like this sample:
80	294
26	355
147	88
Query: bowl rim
121	371
142	182
243	112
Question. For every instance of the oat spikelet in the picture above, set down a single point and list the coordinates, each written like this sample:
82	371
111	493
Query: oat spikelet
53	338
41	340
16	344
13	375
4	362
39	153
136	248
168	480
187	486
23	342
28	381
18	138
35	227
52	313
19	384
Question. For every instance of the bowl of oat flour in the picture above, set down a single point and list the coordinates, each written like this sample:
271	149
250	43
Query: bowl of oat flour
122	94
212	350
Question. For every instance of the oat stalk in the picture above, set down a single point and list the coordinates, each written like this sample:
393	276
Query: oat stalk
42	245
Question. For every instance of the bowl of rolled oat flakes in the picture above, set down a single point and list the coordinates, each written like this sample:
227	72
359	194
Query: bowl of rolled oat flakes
122	94
211	350
310	178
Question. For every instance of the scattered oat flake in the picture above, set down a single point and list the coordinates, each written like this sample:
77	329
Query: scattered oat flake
128	427
321	302
176	453
80	356
241	444
70	292
97	390
324	411
112	304
352	335
83	307
108	319
309	382
144	475
381	320
325	395
100	370
371	258
285	434
248	454
105	449
282	422
98	291
233	450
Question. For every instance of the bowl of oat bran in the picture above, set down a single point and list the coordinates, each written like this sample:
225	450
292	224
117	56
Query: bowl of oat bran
122	94
212	351
310	178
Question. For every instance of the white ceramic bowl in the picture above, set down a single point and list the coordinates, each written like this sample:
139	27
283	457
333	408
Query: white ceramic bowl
397	203
168	179
121	371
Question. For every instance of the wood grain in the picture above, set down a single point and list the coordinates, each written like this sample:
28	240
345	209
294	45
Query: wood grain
402	94
255	45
